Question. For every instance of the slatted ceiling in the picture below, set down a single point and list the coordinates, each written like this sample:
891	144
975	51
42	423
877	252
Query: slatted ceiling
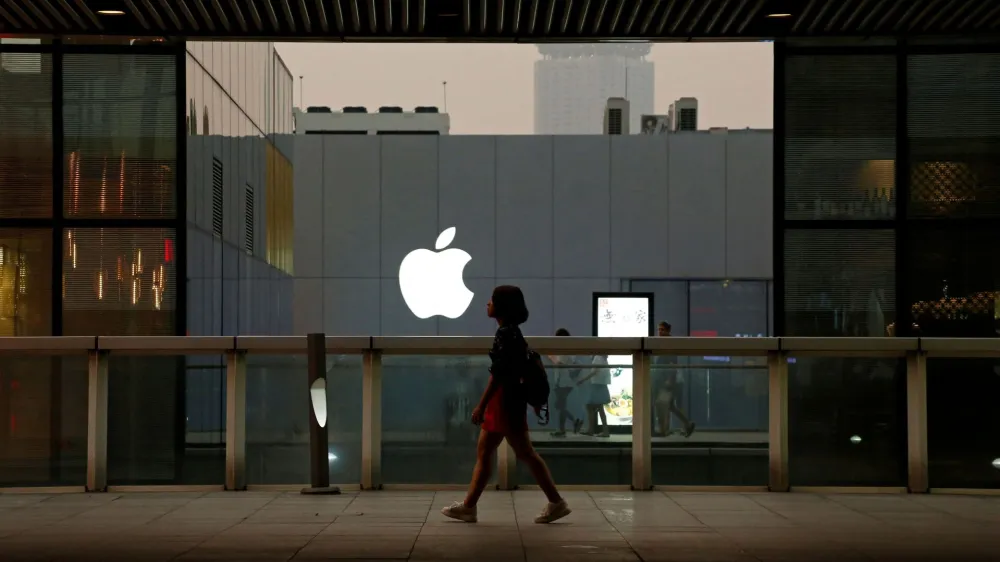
834	278
840	147
502	20
26	139
120	135
118	281
954	135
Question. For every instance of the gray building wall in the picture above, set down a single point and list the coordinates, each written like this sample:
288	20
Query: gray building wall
560	216
231	291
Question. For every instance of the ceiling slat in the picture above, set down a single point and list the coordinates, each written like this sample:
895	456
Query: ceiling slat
753	13
705	5
222	14
23	15
138	15
55	13
204	14
9	18
171	14
239	15
854	14
681	16
732	17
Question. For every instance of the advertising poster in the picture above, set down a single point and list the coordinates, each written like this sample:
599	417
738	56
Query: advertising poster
622	315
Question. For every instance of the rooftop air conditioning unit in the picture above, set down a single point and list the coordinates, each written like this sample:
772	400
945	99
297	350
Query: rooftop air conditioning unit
355	109
425	109
390	109
318	109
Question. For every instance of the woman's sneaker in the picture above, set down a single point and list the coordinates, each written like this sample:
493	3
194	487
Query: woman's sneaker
462	512
553	512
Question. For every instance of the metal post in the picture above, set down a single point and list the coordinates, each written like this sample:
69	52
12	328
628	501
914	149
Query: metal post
642	422
777	372
916	422
506	467
319	448
236	420
97	422
371	424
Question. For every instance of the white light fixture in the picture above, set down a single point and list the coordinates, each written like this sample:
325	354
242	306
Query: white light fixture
855	439
331	457
111	12
996	463
779	15
317	395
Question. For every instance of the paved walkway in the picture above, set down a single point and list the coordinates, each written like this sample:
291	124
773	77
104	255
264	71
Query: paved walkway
605	526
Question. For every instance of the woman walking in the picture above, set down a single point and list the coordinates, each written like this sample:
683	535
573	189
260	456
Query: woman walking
597	380
502	411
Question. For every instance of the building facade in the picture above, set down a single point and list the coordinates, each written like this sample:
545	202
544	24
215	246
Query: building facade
107	154
561	216
573	83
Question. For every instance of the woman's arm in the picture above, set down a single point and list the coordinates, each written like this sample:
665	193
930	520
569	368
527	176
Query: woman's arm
491	390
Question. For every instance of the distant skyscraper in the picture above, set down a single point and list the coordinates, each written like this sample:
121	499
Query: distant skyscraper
573	84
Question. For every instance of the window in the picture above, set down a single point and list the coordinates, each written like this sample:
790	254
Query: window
248	221
217	197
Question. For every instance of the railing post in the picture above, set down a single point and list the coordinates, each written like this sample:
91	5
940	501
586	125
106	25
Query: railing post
642	421
777	374
319	446
506	467
916	422
371	423
97	421
236	420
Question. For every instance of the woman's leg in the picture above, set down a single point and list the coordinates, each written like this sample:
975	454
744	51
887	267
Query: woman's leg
488	443
526	453
604	419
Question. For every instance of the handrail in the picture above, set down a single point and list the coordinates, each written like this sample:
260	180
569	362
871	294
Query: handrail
474	345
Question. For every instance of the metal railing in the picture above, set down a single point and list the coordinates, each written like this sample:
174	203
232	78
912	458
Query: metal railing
372	349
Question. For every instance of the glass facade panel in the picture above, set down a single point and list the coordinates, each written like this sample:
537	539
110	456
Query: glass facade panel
729	309
120	139
954	135
119	281
25	282
840	131
278	410
670	302
26	142
840	283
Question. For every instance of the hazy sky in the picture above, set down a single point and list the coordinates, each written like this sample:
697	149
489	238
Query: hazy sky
490	86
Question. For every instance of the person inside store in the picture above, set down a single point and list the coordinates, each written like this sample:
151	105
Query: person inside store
666	387
566	374
502	411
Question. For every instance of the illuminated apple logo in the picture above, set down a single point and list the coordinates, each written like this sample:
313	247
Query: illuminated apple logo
432	282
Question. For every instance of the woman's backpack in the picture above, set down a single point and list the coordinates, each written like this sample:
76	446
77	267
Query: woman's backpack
535	386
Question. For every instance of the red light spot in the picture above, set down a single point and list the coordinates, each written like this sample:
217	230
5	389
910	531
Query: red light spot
14	385
704	333
168	251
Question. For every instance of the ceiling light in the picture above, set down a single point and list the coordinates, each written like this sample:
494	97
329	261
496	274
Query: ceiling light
111	12
779	15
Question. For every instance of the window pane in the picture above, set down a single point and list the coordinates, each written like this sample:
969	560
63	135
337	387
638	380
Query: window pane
25	282
954	135
119	281
840	283
26	142
729	308
670	303
120	135
840	145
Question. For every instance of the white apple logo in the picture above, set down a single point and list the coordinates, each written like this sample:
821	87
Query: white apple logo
432	282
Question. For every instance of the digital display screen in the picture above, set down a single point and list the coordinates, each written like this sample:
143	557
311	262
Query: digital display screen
624	316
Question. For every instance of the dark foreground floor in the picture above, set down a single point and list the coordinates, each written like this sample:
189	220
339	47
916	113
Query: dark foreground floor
605	526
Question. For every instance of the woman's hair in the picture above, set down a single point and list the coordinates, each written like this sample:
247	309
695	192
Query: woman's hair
562	332
508	305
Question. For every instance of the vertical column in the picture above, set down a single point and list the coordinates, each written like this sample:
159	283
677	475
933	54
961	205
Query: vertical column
777	372
642	422
371	424
236	420
916	422
97	422
319	447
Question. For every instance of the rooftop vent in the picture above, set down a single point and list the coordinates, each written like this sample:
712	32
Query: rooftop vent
425	109
318	109
390	109
355	109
